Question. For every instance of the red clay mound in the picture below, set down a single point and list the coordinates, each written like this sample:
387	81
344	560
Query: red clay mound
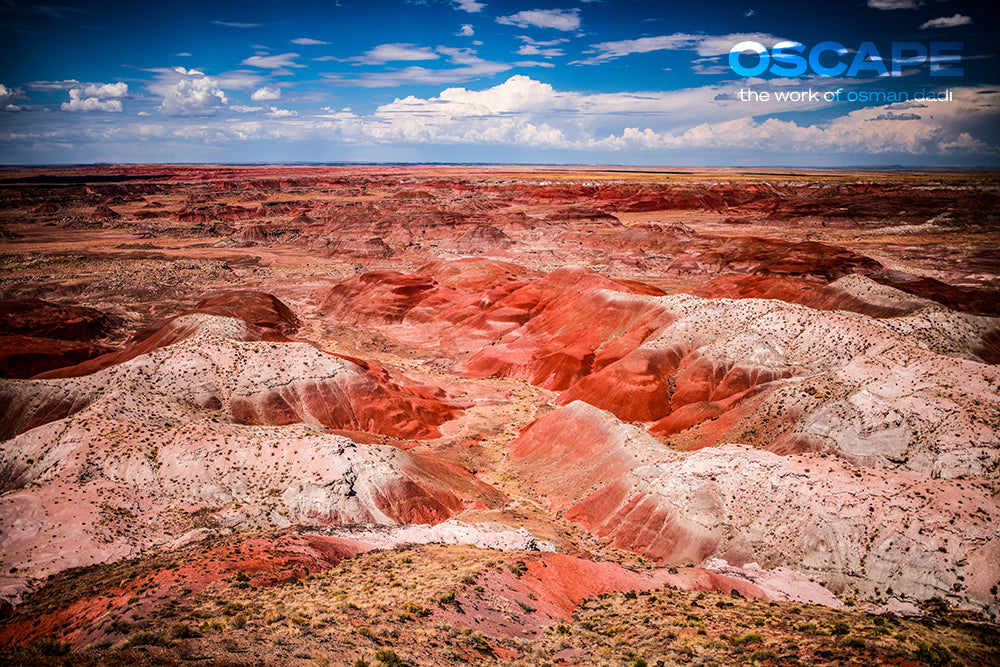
43	319
266	316
475	275
449	290
750	255
567	581
262	310
579	445
553	585
257	384
717	415
355	401
981	301
650	383
641	523
378	297
370	248
308	386
989	348
575	321
735	286
483	237
25	356
851	293
471	304
430	490
572	451
636	387
22	411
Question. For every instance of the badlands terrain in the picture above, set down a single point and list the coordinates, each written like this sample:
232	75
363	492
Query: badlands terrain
385	415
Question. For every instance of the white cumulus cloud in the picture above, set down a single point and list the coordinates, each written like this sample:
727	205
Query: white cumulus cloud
308	41
871	130
7	98
557	19
96	97
106	90
77	103
526	113
466	31
522	110
266	94
188	92
519	93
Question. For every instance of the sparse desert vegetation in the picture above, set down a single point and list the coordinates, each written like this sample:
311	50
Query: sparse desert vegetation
373	607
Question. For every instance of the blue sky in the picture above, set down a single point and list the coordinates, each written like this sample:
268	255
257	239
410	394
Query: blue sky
614	82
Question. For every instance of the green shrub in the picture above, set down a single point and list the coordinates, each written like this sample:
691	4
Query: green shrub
932	653
517	568
415	609
525	606
183	631
840	628
212	626
388	658
147	638
761	656
47	646
748	638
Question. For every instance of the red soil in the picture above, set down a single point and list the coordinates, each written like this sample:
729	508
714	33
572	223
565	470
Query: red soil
265	561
